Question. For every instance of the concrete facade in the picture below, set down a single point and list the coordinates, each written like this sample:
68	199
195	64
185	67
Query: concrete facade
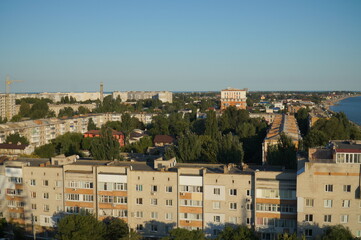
233	97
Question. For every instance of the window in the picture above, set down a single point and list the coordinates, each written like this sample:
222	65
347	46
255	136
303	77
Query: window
344	219
168	189
88	198
139	214
249	192
217	219
309	217
327	218
154	215
169	202
309	202
327	203
72	197
347	188
120	186
58	196
58	183
233	192
46	219
33	194
359	218
139	227
217	191
139	187
346	203
249	206
233	220
169	216
329	188
358	233
139	201
45	183
120	200
35	218
308	232
46	208
154	201
46	195
33	206
216	205
233	206
154	228
154	188
32	182
249	221
88	185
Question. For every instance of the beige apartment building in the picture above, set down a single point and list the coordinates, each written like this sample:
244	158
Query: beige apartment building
328	189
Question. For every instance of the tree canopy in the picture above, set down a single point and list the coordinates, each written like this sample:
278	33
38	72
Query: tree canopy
105	147
16	138
239	232
283	154
184	234
338	232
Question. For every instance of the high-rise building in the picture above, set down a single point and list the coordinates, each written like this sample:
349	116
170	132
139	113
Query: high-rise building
7	106
233	97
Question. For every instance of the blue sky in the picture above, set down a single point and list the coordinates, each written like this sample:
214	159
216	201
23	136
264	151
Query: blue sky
180	45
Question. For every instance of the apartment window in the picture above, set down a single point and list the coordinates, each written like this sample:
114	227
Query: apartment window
347	188
139	187
217	219
32	182
46	208
33	206
344	219
59	196
309	202
139	227
216	205
346	203
169	202
139	214
72	197
154	201
35	218
46	219
45	183
249	192
88	185
217	191
329	188
327	218
308	232
46	195
139	201
168	189
154	215
120	186
154	228
33	194
233	192
359	218
358	233
233	206
233	220
309	217
249	206
327	203
58	183
249	221
154	188
169	216
59	208
88	198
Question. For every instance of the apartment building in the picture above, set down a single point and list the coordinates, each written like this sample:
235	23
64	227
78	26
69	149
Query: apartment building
233	97
164	96
42	131
282	123
7	106
328	189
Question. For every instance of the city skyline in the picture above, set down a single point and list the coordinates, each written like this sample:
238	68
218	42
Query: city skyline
180	46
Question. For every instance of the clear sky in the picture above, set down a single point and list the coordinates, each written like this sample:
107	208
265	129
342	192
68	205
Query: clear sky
180	45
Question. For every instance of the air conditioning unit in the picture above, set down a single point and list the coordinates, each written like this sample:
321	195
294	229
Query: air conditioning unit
182	194
188	221
248	199
152	193
74	189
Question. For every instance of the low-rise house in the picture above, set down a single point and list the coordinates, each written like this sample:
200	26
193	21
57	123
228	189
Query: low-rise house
163	140
9	149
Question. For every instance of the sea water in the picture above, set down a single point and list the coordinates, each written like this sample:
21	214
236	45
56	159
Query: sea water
351	107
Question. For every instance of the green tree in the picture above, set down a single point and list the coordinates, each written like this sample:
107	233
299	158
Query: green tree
45	151
160	125
86	143
16	138
302	120
230	149
3	225
16	118
338	232
211	128
287	236
80	227
315	138
66	112
184	234
39	109
91	125
141	146
209	149
115	228
283	154
105	147
83	110
189	148
3	120
68	143
239	232
24	109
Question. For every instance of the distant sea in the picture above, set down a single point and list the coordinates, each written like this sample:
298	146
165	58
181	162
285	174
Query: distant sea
351	107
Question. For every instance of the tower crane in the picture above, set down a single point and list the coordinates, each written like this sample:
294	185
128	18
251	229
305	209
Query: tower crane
8	82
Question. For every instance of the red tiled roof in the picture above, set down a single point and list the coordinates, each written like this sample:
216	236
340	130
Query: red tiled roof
163	139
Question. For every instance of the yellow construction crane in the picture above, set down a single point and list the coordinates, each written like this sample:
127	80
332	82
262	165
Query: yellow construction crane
8	82
9	104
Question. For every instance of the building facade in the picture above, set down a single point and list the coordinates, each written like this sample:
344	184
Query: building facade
233	97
